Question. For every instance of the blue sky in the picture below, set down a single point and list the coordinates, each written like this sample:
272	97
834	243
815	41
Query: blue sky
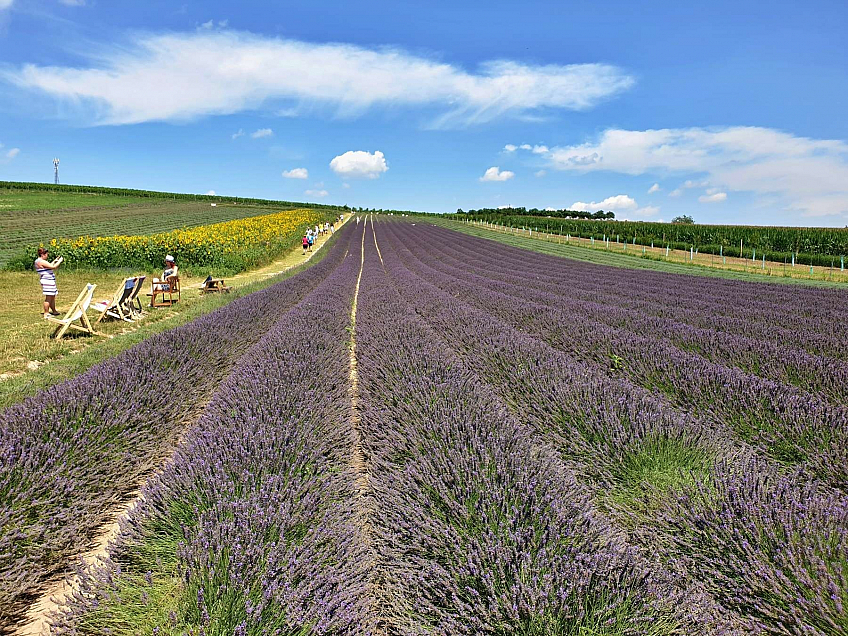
731	112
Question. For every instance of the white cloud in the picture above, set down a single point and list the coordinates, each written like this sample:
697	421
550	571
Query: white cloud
211	193
494	174
296	173
540	173
713	198
179	76
207	25
803	174
238	134
318	194
12	153
262	132
5	4
359	164
617	202
510	148
675	193
73	3
526	147
654	188
539	150
646	213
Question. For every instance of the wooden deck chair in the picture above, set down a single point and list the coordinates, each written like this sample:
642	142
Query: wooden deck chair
76	312
134	302
116	306
168	289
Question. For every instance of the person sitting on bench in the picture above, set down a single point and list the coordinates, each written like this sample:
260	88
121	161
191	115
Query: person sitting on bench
171	269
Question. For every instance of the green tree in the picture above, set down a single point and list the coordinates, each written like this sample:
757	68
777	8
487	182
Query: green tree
683	219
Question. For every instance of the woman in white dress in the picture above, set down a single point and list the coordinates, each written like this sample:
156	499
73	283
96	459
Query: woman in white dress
46	271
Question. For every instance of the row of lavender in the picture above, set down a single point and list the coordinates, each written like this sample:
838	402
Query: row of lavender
254	523
70	454
805	426
785	363
480	527
766	544
811	319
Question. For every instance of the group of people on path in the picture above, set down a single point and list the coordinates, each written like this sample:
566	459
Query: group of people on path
312	234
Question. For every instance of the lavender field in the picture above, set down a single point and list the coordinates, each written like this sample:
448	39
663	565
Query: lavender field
428	433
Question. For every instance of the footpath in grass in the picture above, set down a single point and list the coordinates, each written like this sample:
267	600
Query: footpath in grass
31	360
619	259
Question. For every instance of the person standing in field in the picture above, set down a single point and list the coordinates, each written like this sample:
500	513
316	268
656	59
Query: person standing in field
46	271
305	243
311	241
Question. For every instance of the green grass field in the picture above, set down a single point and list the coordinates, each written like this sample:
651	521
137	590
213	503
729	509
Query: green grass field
614	259
32	217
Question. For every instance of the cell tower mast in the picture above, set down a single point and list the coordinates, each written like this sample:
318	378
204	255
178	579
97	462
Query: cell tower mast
56	171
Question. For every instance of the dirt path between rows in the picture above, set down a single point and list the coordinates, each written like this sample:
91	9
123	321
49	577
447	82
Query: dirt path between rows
37	618
359	462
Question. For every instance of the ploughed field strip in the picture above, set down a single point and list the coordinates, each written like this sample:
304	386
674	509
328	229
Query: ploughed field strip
431	433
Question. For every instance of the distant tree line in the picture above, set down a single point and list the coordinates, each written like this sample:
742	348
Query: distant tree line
559	214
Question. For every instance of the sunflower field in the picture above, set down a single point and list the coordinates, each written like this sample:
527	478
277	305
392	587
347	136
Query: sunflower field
226	248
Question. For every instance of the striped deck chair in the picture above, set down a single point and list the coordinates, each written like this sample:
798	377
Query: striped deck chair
76	312
134	302
116	307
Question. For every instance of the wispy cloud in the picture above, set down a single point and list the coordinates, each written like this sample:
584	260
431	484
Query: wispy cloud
654	188
806	175
262	132
14	152
318	194
180	76
495	174
238	134
6	4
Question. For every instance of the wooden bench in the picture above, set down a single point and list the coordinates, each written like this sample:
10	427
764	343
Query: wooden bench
214	285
